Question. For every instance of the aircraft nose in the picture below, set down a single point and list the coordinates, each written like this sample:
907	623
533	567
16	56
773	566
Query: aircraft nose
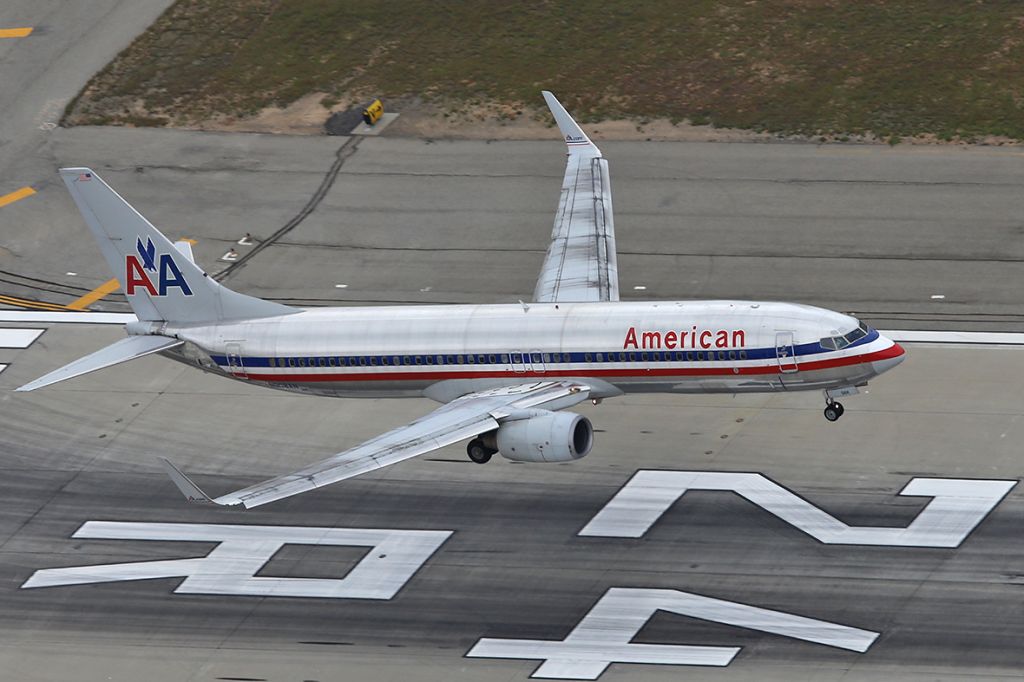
889	358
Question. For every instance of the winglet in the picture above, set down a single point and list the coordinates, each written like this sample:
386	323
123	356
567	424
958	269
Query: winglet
190	490
574	136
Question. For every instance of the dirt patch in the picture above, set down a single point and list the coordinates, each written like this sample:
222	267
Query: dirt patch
819	69
304	116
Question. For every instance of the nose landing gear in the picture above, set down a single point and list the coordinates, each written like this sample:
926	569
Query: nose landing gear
833	410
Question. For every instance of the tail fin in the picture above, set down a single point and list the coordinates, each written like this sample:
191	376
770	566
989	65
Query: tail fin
160	282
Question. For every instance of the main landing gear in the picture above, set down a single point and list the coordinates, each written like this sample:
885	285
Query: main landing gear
833	410
478	452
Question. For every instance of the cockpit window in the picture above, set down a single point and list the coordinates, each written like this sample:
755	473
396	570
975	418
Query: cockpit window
841	342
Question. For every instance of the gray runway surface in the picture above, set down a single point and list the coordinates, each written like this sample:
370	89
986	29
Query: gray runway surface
514	567
875	230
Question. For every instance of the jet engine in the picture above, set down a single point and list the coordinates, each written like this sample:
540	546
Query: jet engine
545	437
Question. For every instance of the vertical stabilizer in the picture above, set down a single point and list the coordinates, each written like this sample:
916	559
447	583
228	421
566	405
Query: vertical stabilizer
160	282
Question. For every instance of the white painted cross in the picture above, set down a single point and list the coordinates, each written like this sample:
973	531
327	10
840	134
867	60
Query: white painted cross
957	506
605	634
231	567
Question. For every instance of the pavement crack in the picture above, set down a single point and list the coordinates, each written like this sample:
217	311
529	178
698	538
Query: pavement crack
345	151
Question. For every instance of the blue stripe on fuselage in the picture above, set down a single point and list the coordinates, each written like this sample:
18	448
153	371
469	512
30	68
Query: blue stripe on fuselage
800	351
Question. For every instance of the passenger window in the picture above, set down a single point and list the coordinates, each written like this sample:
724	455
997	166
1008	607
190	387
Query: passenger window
721	355
407	360
504	358
461	359
470	359
689	357
430	359
600	357
632	357
732	355
302	362
362	361
535	357
588	358
291	362
547	357
373	360
743	355
643	357
480	360
493	359
333	362
517	358
419	359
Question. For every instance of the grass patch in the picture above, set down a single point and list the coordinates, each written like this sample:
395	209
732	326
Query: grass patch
889	68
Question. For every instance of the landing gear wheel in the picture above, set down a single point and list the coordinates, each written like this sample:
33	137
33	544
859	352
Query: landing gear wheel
833	411
478	452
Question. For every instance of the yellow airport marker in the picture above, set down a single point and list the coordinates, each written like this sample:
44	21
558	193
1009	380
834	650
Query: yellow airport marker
28	303
108	287
15	32
16	195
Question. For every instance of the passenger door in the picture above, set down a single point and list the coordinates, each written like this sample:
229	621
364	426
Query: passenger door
235	365
785	352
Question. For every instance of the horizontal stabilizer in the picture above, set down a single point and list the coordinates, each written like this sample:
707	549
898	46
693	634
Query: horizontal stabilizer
184	247
114	354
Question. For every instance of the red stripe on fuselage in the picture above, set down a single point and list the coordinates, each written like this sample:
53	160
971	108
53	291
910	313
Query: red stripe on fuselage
893	351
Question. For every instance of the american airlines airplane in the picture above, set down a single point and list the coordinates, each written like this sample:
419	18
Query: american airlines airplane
502	373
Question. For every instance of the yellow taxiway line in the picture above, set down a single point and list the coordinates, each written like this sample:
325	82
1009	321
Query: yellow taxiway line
14	32
108	287
16	195
28	303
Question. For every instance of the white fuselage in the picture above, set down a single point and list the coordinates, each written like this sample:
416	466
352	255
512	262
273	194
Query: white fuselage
447	351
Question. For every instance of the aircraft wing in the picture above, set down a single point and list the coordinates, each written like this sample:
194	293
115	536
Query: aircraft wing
580	264
465	417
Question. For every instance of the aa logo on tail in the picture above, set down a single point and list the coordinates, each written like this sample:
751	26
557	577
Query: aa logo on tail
138	269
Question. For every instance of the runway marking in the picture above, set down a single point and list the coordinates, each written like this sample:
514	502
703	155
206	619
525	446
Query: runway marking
954	337
965	338
957	507
16	195
19	338
242	551
108	287
32	316
29	303
605	634
15	32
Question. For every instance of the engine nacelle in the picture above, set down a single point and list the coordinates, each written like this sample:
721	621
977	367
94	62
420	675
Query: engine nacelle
546	437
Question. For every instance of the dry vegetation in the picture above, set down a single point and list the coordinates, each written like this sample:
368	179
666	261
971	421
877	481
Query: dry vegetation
952	70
